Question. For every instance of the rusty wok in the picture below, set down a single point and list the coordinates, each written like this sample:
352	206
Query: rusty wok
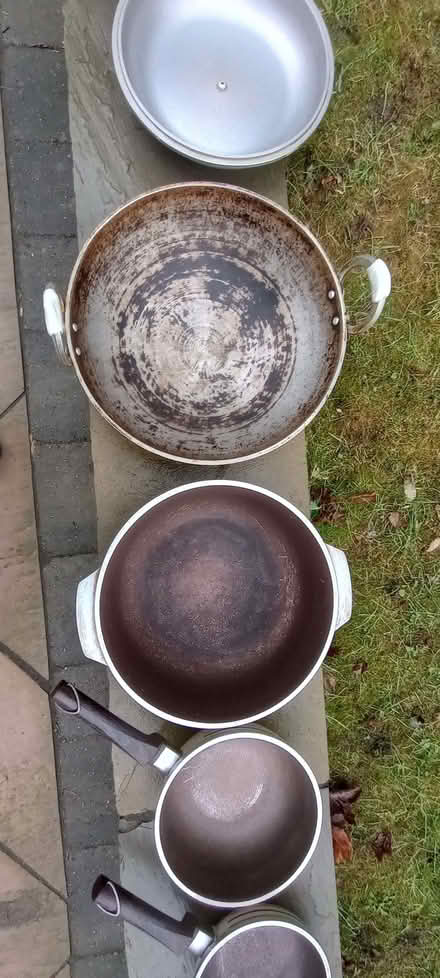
215	604
205	323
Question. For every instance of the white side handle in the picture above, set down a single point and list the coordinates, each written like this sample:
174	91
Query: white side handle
343	581
379	277
54	318
85	618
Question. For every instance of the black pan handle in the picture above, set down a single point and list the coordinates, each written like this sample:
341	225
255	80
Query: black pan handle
144	748
177	935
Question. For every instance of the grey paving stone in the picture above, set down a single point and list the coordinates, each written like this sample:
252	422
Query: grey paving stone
34	94
91	931
105	966
66	512
58	408
33	23
37	262
92	679
86	791
41	188
61	577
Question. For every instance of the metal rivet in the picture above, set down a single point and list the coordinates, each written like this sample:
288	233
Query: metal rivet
77	351
335	321
222	86
331	293
74	327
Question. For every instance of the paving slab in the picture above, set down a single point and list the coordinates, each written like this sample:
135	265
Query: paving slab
60	577
29	817
33	925
114	160
42	170
27	72
91	932
57	406
64	497
22	626
11	370
27	23
104	966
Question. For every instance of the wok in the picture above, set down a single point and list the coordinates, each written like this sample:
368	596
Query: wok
239	815
205	323
267	941
215	604
234	83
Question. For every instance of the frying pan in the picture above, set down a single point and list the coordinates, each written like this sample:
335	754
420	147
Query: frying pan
205	323
239	815
233	83
215	604
267	941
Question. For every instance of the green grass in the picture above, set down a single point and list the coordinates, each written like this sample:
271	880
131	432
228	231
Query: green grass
369	181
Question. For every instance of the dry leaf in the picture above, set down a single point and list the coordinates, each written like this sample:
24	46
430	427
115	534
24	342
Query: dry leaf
360	667
363	497
409	489
342	847
329	682
328	509
333	650
437	509
434	546
383	844
394	519
342	800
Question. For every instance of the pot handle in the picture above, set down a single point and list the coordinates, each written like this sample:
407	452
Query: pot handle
146	749
53	307
85	618
343	580
380	285
178	935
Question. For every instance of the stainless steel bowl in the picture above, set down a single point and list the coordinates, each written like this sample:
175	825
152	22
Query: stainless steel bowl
231	83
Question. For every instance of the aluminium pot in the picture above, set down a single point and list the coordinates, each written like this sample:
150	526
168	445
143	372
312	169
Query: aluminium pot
215	604
262	942
228	84
239	814
205	323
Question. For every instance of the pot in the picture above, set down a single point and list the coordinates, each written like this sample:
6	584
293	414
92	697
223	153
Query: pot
215	604
241	85
261	942
205	323
240	812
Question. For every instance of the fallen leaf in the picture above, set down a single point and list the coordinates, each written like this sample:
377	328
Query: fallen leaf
394	519
434	546
383	844
342	847
363	497
436	720
333	650
409	489
325	509
437	509
329	682
342	800
360	667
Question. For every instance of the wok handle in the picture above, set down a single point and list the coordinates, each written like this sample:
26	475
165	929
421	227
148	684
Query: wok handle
343	580
380	286
53	307
146	749
85	618
178	935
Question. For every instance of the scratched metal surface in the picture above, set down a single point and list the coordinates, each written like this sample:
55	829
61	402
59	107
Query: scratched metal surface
204	323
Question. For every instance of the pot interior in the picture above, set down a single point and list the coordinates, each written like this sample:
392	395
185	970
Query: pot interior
238	820
204	323
275	951
216	604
